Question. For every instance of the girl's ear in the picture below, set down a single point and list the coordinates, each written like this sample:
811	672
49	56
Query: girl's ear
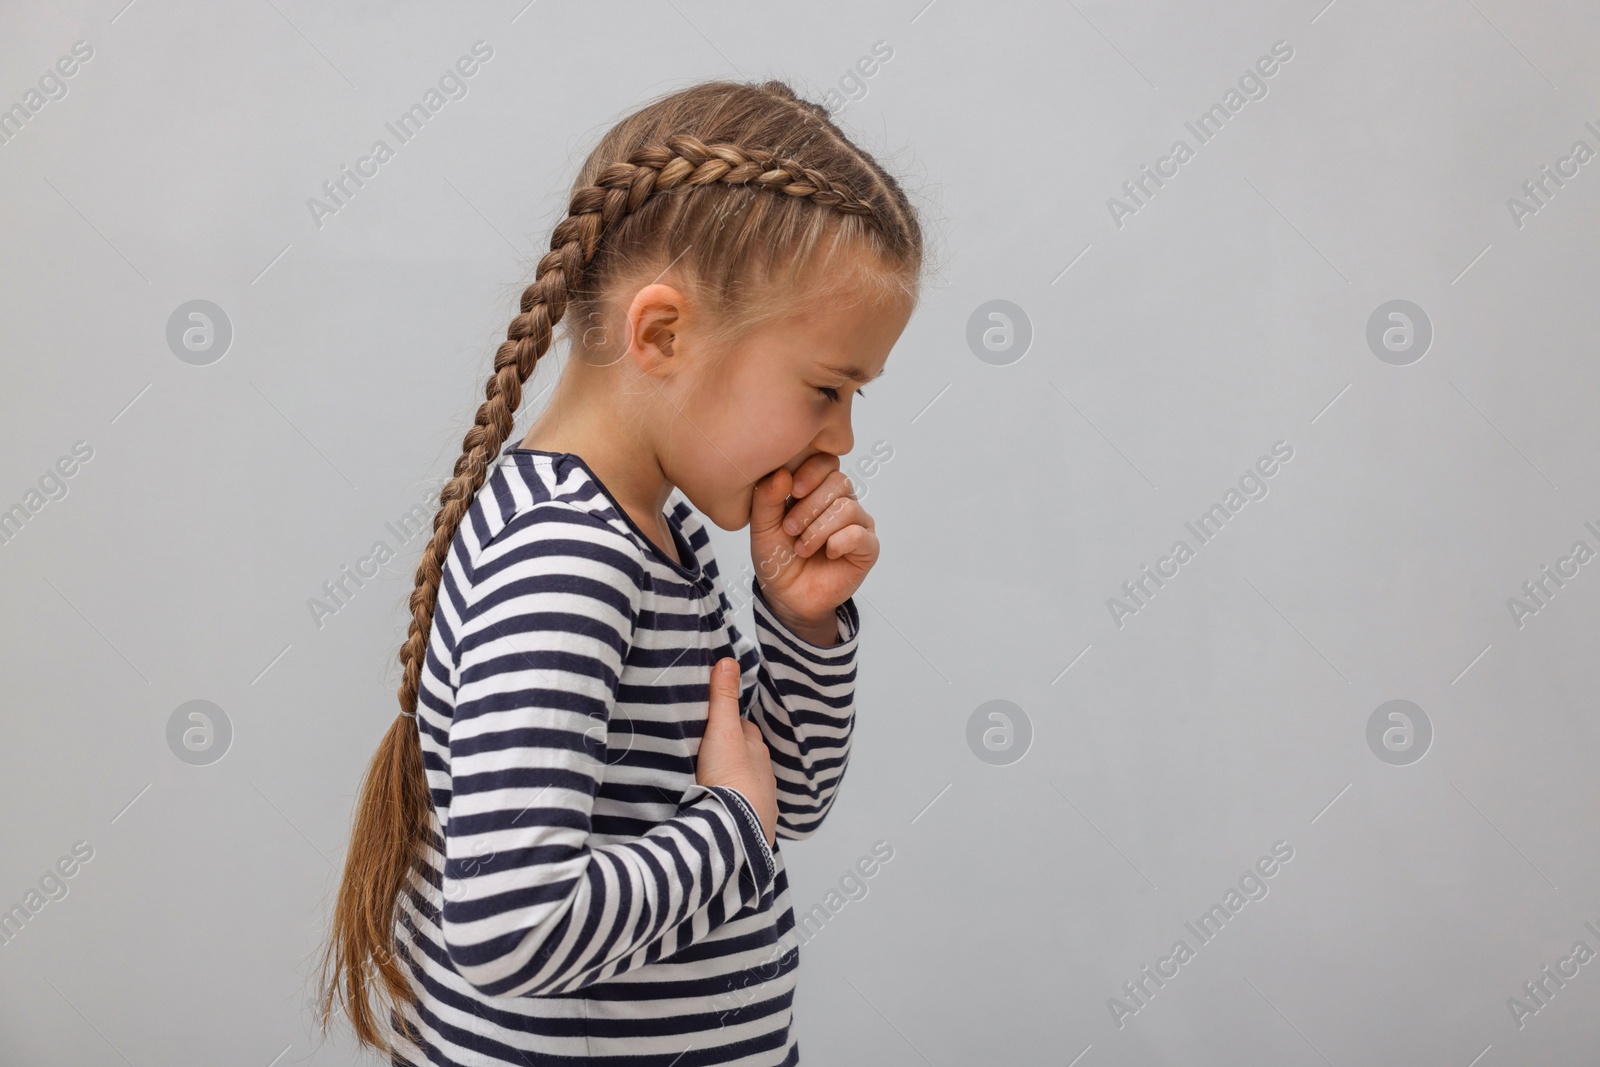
663	337
654	319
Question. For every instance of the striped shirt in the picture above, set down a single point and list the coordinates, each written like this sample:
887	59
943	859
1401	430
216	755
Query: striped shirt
583	898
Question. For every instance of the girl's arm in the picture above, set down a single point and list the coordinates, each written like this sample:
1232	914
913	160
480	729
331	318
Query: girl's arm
531	905
804	703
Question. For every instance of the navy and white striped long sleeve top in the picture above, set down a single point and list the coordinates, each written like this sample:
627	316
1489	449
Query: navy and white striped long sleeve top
584	898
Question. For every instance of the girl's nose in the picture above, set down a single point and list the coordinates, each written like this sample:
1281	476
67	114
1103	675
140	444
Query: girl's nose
836	436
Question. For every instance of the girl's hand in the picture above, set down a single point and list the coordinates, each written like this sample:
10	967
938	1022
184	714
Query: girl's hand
808	571
732	751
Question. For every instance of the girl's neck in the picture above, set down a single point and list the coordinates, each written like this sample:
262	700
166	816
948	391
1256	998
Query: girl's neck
634	478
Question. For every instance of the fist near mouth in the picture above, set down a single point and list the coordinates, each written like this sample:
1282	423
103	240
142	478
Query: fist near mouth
812	543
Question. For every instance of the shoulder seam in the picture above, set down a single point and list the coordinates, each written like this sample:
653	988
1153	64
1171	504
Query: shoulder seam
634	553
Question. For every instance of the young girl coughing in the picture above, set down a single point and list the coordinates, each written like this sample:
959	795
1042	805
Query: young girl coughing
566	847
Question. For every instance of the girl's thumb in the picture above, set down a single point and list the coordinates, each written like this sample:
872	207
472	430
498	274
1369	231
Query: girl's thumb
725	682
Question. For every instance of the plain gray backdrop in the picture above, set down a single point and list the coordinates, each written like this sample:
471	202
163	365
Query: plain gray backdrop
1364	262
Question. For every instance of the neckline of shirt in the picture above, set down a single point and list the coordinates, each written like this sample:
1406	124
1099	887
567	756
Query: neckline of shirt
686	550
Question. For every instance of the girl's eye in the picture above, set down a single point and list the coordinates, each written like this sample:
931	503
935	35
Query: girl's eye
833	394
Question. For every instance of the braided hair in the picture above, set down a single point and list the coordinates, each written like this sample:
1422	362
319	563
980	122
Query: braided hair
737	187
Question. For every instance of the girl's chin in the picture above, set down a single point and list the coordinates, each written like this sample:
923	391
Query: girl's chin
728	514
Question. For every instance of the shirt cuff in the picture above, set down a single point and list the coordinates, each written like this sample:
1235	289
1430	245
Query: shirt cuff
760	870
751	822
825	656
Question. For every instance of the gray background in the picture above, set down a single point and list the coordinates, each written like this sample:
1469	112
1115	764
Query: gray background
1166	755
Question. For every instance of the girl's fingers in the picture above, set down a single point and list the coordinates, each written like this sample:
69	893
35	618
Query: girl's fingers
813	472
807	509
852	541
767	506
845	511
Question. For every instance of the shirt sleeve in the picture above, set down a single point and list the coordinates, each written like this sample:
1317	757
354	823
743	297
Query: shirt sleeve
804	702
532	906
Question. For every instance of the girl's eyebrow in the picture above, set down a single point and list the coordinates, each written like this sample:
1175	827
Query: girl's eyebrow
855	374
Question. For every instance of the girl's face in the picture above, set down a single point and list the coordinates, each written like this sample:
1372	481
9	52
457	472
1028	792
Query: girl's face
776	399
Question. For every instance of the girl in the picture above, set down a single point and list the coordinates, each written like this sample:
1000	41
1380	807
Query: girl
566	847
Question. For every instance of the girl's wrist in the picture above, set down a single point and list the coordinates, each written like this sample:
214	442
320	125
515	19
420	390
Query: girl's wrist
824	633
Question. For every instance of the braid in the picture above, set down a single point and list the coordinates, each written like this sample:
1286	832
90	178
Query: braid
393	817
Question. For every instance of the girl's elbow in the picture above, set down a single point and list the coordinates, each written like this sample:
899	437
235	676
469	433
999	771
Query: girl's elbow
478	963
491	966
